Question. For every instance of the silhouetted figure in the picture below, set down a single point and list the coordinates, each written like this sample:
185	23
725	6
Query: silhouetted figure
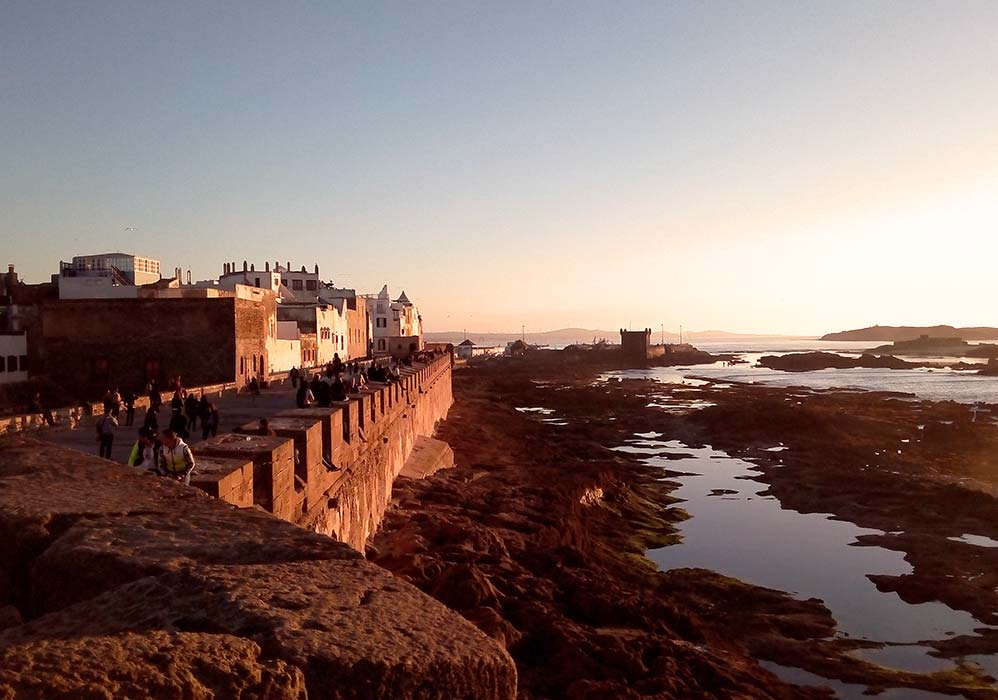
209	424
338	390
191	411
129	401
106	426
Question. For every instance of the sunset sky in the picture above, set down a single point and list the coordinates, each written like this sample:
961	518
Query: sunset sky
794	167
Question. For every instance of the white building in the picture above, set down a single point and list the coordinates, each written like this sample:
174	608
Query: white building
13	358
288	284
106	276
392	319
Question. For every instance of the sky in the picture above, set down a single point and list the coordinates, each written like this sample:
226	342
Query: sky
793	167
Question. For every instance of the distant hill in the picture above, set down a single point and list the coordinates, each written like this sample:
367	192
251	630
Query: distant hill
564	336
895	333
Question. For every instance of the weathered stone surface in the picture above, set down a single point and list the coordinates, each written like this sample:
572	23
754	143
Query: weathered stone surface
160	665
97	554
355	630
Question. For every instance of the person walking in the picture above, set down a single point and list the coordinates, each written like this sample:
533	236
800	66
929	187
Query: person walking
175	458
204	409
293	374
130	407
191	411
155	398
106	427
209	423
151	420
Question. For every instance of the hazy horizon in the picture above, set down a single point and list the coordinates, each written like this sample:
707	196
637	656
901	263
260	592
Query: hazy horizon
806	167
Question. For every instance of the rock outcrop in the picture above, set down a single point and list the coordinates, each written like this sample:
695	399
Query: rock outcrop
118	584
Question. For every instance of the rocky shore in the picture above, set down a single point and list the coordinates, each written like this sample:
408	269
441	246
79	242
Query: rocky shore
538	535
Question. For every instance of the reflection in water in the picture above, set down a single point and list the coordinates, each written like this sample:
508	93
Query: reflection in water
847	691
747	534
976	540
751	537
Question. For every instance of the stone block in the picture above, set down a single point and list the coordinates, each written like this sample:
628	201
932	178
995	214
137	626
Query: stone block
151	665
273	467
353	629
229	480
306	433
331	421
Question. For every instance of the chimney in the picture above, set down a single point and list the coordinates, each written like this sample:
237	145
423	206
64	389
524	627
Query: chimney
317	268
266	266
188	277
253	267
245	266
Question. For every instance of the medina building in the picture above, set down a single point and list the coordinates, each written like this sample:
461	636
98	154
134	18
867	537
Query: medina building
106	276
397	327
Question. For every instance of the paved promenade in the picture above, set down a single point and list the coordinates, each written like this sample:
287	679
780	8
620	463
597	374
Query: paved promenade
233	410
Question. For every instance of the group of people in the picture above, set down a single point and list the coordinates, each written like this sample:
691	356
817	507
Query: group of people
186	412
339	380
165	454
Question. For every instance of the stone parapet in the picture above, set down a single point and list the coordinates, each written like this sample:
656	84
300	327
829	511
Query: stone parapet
108	571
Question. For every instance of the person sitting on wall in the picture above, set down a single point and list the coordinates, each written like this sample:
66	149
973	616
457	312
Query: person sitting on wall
264	428
304	397
145	451
175	457
337	364
338	390
38	407
322	393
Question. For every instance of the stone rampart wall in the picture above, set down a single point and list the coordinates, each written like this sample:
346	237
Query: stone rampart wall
117	583
331	470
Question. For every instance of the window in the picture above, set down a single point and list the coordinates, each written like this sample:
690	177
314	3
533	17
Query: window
257	281
284	282
242	365
311	285
381	323
3	364
296	285
254	364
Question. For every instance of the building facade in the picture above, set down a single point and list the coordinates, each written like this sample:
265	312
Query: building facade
106	276
13	358
397	319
